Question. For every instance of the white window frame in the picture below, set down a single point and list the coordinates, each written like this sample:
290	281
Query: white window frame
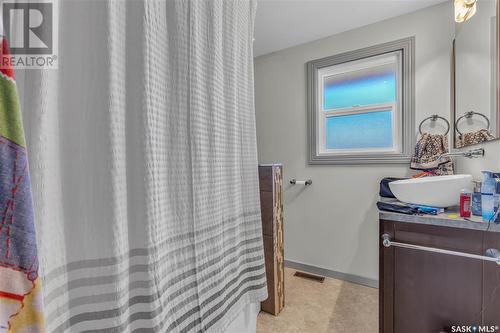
402	53
395	108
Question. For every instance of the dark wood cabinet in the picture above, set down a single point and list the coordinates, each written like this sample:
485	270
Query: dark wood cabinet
271	203
491	283
422	291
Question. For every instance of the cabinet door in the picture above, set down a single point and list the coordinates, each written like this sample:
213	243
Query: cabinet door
432	291
491	283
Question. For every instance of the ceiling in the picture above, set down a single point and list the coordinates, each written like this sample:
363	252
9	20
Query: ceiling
280	24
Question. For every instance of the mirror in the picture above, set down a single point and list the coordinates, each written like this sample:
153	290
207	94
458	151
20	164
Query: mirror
475	108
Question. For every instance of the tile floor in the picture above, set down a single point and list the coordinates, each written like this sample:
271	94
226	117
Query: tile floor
333	306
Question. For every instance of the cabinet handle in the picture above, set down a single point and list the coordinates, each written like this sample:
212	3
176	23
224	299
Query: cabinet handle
492	255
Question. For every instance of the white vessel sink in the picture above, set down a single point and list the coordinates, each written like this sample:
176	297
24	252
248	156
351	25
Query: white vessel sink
438	191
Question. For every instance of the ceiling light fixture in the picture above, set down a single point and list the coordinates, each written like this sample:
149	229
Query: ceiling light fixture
464	10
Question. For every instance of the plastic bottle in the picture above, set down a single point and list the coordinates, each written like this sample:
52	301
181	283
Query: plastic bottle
476	199
497	198
465	203
488	189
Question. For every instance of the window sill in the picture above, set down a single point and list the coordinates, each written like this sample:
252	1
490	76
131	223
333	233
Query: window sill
364	159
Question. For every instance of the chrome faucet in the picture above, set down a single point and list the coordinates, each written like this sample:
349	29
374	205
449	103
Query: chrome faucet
472	153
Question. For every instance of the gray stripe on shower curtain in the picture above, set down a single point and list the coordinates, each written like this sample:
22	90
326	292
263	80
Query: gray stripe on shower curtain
144	167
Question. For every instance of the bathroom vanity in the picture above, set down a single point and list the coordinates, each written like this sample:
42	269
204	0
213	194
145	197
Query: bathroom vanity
426	291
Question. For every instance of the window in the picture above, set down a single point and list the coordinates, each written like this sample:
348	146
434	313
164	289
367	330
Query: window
360	106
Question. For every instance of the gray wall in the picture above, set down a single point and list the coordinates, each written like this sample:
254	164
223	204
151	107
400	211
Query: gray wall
333	224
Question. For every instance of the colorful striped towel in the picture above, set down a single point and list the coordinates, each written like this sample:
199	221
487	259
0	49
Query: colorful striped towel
20	292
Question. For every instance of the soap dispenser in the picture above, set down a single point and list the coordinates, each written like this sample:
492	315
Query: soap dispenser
488	190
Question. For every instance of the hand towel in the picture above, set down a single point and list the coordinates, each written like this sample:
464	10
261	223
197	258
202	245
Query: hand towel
20	292
475	137
428	149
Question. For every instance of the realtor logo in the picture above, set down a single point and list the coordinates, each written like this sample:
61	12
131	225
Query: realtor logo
30	27
34	22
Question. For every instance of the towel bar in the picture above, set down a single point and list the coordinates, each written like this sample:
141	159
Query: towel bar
491	254
301	182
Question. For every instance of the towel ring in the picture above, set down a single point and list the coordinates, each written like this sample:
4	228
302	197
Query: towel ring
434	117
469	115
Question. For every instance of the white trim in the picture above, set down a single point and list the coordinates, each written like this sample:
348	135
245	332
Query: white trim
359	109
395	108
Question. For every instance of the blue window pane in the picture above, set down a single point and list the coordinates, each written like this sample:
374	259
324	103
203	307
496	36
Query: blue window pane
363	88
365	130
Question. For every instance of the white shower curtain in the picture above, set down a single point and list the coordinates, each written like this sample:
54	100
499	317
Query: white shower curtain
143	161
